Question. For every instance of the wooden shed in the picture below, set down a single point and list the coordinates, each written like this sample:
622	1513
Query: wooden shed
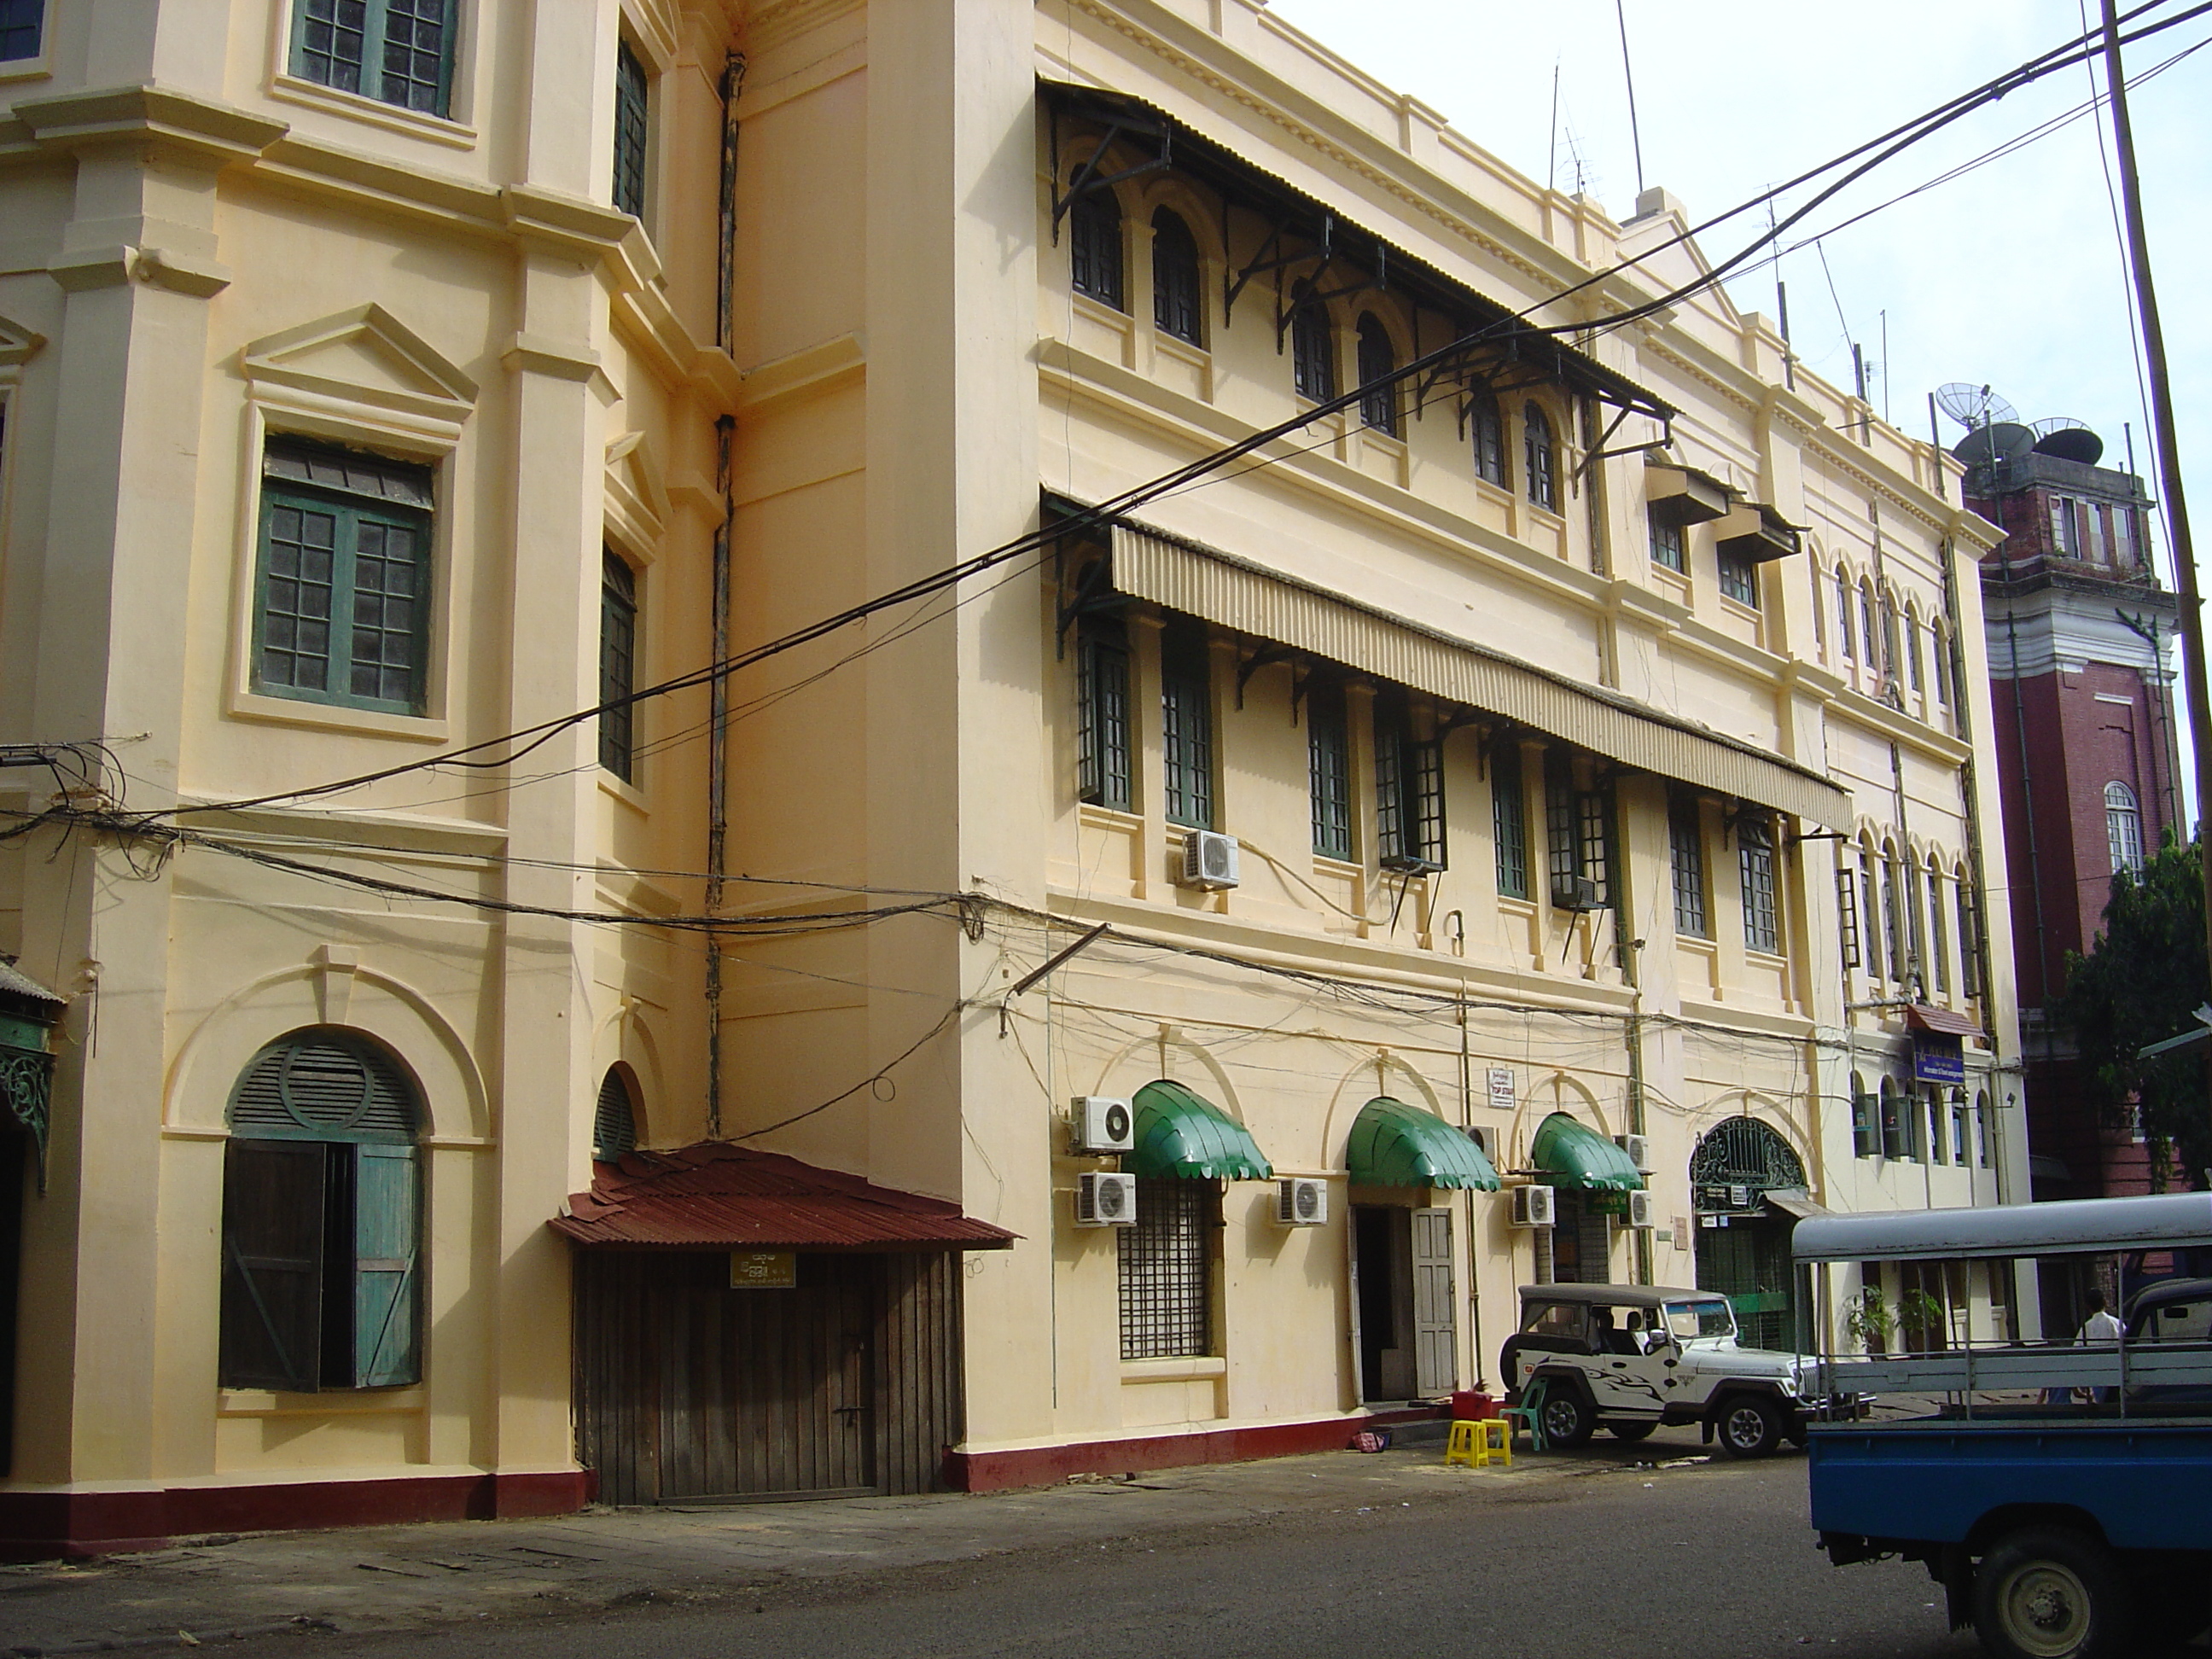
749	1327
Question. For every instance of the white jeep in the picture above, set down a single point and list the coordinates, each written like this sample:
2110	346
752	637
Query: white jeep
1630	1358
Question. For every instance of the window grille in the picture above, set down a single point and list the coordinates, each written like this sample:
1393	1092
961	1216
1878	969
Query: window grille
2123	828
1186	725
1487	428
1741	1152
1328	765
1847	916
1166	1271
1313	349
1666	540
614	1120
618	664
1755	855
1739	579
397	51
1508	821
1687	836
1378	404
21	25
1102	665
1541	457
1094	246
1175	286
633	95
1409	793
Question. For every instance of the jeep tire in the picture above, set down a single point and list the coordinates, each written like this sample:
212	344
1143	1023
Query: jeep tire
2051	1593
1569	1419
1747	1425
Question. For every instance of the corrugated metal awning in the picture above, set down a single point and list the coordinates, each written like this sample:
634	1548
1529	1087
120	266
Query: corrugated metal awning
1394	1145
713	1196
1572	1154
1180	1133
1925	1017
1227	590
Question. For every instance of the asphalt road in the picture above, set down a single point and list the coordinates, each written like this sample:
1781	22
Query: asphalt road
1710	1561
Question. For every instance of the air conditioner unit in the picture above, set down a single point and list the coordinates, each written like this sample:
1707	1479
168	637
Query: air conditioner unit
1485	1137
1301	1203
1105	1200
1534	1207
1576	893
1100	1123
1638	1148
1209	859
1642	1212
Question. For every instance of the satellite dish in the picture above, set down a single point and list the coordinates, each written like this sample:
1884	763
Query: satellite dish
1973	406
2004	441
2068	439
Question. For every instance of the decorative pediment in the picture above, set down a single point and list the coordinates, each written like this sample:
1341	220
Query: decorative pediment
637	493
365	355
17	343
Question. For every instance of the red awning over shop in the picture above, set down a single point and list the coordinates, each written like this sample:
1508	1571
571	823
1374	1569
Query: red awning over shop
1922	1018
715	1196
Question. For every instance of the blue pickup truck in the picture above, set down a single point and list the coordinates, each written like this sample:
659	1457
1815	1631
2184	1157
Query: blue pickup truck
2061	1493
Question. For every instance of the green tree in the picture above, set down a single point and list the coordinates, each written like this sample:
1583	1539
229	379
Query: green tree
2141	982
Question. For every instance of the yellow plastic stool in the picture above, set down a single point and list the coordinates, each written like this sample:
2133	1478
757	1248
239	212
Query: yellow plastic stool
1478	1443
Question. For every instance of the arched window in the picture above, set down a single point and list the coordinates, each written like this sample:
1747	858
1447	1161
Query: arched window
1539	456
1868	635
1843	613
1962	1132
1094	246
1870	911
1176	308
1939	653
1313	347
1762	929
1866	1134
1896	1132
1741	1152
1378	404
614	1120
1912	656
2123	828
1487	428
1939	945
321	1218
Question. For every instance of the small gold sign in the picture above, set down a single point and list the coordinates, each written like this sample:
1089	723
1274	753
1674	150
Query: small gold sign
764	1270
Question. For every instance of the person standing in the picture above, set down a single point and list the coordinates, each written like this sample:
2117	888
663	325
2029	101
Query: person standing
2099	1330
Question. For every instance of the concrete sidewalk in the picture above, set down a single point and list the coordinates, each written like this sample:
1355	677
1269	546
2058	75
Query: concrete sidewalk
399	1578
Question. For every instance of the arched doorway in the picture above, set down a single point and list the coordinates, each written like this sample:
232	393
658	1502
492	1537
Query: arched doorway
1743	1243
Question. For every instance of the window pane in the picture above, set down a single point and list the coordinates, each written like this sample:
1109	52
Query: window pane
1740	579
2123	828
19	28
1666	540
1939	946
415	43
1103	714
1328	772
1847	916
329	40
1175	278
1313	351
1187	726
1488	429
1761	929
296	592
1508	821
1378	406
1689	855
387	612
1166	1259
618	664
1094	246
1540	458
632	95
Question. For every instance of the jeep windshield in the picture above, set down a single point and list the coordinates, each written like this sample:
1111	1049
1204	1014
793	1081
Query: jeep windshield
1707	1317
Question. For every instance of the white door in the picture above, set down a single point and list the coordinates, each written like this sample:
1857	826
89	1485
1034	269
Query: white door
1435	1368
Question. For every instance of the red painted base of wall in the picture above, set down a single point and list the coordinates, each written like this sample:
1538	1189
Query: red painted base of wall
39	1525
1044	1465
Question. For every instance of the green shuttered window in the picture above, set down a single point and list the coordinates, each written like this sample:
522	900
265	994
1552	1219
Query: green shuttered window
321	1220
1186	724
617	666
344	586
1102	674
397	51
632	129
1328	768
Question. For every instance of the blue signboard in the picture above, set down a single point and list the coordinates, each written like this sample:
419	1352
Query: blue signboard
1937	1058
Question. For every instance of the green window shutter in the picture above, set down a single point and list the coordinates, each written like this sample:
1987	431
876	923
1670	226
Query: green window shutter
614	1123
387	1230
397	51
617	665
1508	821
273	1202
632	126
1328	768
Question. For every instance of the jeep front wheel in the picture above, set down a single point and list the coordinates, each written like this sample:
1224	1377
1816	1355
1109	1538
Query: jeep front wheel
1748	1425
1568	1419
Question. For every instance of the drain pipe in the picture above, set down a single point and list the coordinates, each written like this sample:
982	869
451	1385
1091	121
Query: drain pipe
718	774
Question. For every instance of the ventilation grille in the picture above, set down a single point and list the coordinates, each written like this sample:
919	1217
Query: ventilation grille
324	1086
614	1125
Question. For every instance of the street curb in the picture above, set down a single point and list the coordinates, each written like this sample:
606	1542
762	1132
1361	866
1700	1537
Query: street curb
181	1638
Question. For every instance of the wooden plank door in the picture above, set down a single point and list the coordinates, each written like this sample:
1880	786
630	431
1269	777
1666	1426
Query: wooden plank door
1435	1344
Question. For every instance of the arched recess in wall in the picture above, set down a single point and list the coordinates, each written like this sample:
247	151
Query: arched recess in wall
1766	1109
1169	1055
1746	1151
1384	1074
1559	1092
626	1037
333	990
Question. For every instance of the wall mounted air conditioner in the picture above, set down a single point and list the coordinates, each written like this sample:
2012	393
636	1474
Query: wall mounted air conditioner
1105	1200
1534	1207
1209	859
1485	1137
1300	1202
1576	893
1641	1211
1638	1148
1101	1124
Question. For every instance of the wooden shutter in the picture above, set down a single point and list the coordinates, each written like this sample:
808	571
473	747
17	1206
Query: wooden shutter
387	1205
1435	1368
272	1264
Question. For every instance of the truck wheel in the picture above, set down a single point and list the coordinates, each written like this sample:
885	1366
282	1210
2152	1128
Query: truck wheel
1568	1419
1749	1426
2050	1592
1632	1431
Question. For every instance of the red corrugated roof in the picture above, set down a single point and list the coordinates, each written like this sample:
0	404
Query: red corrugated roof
717	1196
1922	1017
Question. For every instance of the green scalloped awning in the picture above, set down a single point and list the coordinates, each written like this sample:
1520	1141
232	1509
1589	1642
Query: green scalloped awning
1177	1134
1569	1154
1394	1145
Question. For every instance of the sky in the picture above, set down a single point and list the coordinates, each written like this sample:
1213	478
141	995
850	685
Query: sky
2011	276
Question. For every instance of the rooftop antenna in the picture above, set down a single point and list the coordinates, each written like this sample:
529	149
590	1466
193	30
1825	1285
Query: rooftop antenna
1552	173
1628	74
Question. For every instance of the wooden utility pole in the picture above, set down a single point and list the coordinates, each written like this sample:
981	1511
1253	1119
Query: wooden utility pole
2191	625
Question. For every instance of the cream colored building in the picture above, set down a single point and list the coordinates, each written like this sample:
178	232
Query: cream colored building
361	408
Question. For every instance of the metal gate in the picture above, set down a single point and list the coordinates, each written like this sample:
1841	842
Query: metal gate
1747	1261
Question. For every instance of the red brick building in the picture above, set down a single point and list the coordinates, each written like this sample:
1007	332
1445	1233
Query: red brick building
2079	632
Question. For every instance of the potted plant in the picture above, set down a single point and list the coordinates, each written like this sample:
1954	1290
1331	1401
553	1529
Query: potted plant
1923	1322
1869	1323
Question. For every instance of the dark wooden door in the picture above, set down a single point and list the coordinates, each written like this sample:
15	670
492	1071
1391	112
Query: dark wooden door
688	1389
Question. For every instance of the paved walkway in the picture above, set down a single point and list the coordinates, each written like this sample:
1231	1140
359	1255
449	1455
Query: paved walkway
417	1577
